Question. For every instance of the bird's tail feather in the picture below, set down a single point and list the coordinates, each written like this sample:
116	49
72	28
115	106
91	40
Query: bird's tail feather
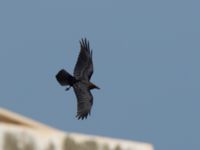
64	78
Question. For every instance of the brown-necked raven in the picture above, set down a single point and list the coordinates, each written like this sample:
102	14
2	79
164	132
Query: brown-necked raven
80	81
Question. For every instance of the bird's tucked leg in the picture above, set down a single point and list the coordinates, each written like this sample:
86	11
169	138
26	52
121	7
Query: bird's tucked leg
68	88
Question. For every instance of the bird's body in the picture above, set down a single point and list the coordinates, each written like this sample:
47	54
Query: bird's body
80	81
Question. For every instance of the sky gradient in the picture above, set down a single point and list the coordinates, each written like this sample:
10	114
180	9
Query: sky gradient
146	58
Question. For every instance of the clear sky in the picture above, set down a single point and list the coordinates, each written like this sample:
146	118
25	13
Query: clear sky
146	57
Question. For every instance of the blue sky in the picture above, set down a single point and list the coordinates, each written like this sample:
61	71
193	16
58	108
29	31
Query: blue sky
146	58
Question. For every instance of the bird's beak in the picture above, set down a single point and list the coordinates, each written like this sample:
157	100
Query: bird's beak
97	87
93	86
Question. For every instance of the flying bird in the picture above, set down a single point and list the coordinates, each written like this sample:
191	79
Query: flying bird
80	80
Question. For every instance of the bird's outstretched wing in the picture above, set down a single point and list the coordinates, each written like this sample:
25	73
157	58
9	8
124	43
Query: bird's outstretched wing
84	65
84	100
